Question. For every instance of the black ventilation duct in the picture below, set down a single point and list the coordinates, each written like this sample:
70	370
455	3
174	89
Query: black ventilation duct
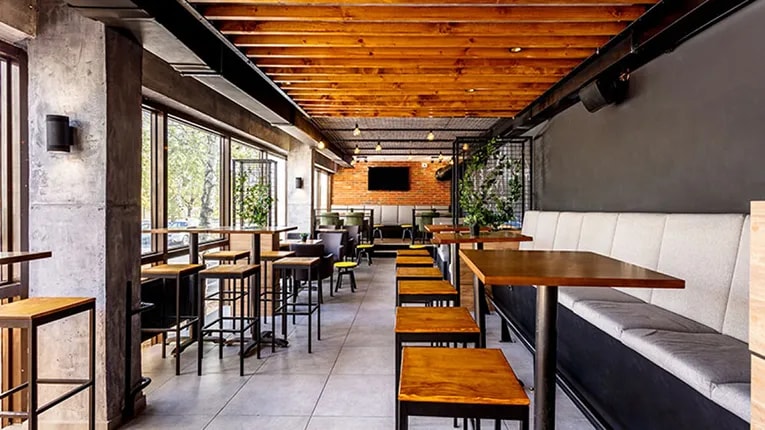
604	91
444	173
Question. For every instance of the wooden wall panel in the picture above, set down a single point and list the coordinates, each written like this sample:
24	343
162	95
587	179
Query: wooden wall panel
757	280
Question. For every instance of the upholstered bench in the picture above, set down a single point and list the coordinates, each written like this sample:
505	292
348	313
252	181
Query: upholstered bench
648	358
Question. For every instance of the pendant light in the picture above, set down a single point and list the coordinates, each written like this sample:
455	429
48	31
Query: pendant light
322	145
431	136
378	148
357	130
357	150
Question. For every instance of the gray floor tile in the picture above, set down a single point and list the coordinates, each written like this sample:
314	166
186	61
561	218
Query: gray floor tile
365	361
351	396
195	395
277	395
247	422
346	423
158	420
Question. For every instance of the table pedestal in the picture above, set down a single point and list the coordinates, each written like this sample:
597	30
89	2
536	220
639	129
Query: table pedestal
545	362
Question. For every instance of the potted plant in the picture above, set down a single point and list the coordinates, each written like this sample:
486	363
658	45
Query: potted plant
303	237
255	201
490	186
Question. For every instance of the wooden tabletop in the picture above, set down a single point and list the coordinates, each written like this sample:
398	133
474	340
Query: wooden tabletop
558	268
459	375
22	256
416	319
228	254
412	253
484	237
418	272
223	230
440	228
39	307
300	242
164	270
413	261
427	287
275	255
297	261
231	269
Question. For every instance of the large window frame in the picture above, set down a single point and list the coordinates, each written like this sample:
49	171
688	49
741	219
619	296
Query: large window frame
161	115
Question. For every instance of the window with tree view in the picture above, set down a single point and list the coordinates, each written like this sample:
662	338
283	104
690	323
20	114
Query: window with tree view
193	180
146	178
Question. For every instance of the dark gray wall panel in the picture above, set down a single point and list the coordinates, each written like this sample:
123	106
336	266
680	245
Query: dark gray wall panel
690	138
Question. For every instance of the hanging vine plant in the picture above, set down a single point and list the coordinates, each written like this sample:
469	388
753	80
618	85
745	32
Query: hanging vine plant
255	201
490	187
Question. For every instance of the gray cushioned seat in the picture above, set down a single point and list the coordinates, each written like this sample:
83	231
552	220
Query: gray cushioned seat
567	296
701	360
734	397
614	318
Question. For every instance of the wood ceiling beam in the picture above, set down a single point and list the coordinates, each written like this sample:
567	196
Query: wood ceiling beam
448	53
413	113
332	72
546	76
439	13
416	86
425	2
434	99
431	63
498	92
313	28
433	42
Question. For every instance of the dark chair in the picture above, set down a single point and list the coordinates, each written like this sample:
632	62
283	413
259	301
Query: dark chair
326	266
335	243
354	239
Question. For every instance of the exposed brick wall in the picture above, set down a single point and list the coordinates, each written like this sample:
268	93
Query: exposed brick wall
349	186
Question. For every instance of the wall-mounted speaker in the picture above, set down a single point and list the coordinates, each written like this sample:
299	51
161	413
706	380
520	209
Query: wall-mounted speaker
602	92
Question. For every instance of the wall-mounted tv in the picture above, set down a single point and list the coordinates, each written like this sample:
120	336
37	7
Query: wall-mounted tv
388	179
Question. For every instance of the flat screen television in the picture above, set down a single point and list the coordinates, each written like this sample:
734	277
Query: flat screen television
388	179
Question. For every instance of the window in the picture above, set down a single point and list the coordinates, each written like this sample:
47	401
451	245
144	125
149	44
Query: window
281	188
10	158
193	180
146	181
322	191
242	151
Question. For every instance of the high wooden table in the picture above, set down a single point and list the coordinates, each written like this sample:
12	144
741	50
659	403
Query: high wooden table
547	270
479	294
22	256
443	228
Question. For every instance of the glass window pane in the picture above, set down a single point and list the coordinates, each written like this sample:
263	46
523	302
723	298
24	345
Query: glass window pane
242	151
193	176
146	178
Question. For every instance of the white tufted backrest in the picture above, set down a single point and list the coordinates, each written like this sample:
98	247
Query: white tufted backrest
547	224
389	215
568	230
736	322
598	229
637	240
529	228
700	249
405	214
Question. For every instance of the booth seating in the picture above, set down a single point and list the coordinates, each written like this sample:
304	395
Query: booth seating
643	358
390	218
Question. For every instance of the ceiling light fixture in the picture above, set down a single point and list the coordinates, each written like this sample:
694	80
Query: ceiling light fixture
516	49
357	150
378	148
431	136
470	90
357	130
465	147
410	157
322	145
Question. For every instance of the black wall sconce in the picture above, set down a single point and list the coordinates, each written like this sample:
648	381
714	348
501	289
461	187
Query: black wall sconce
298	182
59	133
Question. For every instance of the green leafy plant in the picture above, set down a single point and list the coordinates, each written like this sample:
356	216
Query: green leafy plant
255	201
490	186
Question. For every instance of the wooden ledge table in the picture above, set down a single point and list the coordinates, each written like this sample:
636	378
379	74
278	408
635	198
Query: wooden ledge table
547	270
479	294
22	256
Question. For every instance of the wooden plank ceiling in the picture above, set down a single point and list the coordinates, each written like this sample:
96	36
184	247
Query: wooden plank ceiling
408	58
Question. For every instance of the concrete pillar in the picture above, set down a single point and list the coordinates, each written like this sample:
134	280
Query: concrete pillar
300	202
85	205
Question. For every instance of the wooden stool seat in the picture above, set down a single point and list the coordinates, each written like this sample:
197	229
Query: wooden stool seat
231	271
425	291
454	382
275	255
412	253
228	255
413	273
29	315
435	320
417	261
172	270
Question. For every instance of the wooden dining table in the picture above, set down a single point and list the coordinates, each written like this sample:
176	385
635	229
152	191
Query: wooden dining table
547	270
480	306
442	228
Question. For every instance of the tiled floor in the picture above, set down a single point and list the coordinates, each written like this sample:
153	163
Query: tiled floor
346	383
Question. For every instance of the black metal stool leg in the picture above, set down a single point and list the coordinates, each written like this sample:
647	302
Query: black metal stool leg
353	281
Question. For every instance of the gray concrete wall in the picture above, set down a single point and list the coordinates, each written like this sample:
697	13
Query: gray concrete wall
84	205
690	138
18	19
300	202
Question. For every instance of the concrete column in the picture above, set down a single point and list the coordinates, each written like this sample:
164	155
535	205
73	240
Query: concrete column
85	205
300	202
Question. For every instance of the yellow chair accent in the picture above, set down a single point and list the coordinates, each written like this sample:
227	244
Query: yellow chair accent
346	268
416	246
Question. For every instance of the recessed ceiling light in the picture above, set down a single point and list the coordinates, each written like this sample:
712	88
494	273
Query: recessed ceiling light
516	49
465	147
378	148
357	130
287	83
322	145
470	90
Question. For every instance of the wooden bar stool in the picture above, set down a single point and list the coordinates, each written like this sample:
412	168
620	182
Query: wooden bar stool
412	253
265	293
30	314
454	382
226	256
417	274
177	272
242	292
365	249
407	261
428	291
289	265
345	268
